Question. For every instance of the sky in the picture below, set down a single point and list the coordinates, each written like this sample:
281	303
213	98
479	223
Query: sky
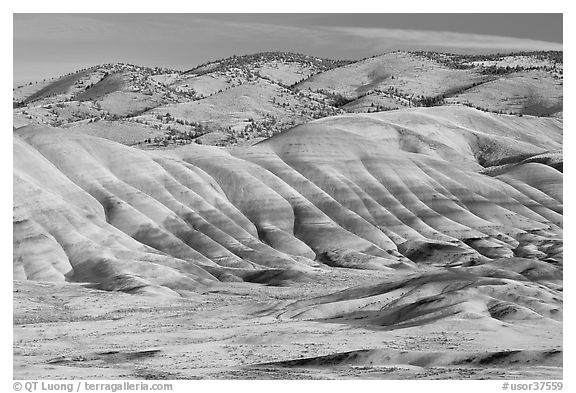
49	45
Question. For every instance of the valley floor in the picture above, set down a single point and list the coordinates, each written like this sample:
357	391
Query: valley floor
67	331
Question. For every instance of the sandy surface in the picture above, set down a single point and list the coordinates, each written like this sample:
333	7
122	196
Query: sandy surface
228	332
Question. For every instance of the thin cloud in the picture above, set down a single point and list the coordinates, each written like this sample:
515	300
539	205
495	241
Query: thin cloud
396	37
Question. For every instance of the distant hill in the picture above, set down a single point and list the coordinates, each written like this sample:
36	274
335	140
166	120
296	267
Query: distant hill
524	83
281	67
243	99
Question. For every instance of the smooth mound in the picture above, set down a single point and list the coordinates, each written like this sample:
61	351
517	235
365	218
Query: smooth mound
379	357
383	191
489	296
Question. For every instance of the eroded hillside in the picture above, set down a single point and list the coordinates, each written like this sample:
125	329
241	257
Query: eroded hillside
288	216
379	191
416	243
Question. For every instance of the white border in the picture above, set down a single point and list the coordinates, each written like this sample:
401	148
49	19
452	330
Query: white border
295	6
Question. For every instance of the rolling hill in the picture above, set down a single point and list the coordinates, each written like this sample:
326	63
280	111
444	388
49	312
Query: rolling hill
378	191
243	99
286	216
